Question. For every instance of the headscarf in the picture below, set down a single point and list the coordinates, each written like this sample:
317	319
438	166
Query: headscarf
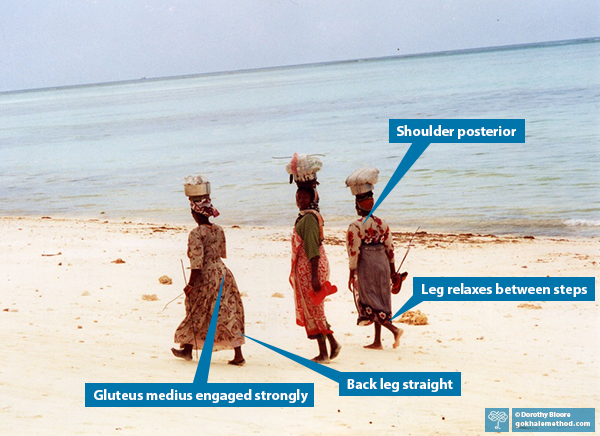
360	198
204	207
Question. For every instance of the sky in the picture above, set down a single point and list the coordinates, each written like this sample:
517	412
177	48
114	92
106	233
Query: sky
48	43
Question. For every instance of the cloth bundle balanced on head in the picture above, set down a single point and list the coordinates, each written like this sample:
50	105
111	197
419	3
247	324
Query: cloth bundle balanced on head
303	170
197	189
361	183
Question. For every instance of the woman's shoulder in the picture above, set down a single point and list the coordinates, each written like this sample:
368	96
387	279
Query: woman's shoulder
204	229
195	231
309	218
378	222
355	225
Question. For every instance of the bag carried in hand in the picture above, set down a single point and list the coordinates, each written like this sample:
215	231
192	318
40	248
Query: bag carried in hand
326	289
397	281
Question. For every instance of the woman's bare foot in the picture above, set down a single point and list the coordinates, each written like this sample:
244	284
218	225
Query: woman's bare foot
237	362
335	350
397	337
374	346
185	353
321	359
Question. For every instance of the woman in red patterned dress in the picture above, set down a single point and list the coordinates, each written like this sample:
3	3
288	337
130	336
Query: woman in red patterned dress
310	269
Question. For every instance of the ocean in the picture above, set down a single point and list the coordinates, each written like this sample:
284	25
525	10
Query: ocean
120	151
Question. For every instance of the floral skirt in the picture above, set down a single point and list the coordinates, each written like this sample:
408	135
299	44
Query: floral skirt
372	293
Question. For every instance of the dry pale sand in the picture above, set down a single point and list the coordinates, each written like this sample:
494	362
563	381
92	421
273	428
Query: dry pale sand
69	315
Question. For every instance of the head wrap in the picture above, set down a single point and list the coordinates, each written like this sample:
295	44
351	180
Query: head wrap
204	207
360	198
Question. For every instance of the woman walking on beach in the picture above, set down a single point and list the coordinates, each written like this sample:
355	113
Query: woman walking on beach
206	247
371	260
310	267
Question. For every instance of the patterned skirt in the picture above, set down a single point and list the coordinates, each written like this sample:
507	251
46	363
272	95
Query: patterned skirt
372	294
199	306
308	315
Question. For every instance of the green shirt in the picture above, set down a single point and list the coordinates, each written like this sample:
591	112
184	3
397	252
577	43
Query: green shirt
308	229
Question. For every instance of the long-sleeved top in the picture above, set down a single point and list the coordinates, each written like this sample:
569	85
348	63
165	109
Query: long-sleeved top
374	231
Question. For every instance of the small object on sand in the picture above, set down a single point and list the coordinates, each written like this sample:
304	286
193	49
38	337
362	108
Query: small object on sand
149	297
55	254
529	306
414	317
85	294
119	260
165	280
278	295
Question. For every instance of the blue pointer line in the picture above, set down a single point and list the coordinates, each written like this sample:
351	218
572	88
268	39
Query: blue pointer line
412	302
415	150
332	374
204	363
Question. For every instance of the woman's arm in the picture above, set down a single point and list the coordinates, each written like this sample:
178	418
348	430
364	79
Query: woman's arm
193	277
388	243
314	266
308	230
196	255
353	243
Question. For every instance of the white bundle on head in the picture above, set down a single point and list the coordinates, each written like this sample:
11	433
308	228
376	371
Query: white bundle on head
304	167
363	180
196	186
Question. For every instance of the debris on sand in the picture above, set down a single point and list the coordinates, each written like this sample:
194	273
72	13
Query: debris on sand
413	317
165	280
529	306
149	297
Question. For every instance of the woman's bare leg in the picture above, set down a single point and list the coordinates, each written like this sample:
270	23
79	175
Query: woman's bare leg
397	332
238	358
322	357
376	345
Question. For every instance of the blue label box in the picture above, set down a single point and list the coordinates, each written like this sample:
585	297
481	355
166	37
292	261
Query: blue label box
400	384
199	395
457	131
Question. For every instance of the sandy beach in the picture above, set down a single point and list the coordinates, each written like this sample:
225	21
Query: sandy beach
72	313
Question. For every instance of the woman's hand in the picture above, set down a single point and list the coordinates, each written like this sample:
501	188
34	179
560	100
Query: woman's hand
316	284
314	269
351	280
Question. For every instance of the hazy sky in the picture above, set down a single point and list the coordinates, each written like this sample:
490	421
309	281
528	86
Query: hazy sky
47	43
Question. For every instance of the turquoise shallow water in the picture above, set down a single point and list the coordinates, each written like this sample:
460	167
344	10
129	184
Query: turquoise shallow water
121	151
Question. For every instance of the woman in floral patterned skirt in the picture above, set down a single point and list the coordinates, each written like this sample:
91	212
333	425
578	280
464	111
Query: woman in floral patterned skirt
310	269
206	247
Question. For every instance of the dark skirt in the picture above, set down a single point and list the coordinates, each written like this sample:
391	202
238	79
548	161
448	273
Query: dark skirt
373	295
